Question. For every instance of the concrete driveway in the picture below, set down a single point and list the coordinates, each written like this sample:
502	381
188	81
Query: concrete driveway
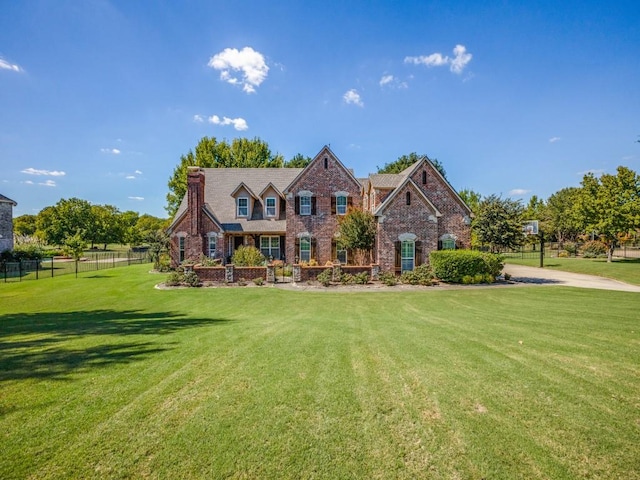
547	276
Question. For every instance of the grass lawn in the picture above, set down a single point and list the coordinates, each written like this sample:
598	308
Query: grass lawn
105	377
625	270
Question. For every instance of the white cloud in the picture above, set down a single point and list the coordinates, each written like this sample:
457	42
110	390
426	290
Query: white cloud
34	171
456	64
353	97
136	198
130	177
518	192
48	183
138	172
238	123
198	119
112	151
386	79
248	62
554	139
4	65
28	182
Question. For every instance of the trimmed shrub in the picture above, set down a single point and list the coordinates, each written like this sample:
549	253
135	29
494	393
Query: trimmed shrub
346	278
421	275
594	249
453	265
191	279
388	278
174	279
361	278
324	277
571	248
259	281
246	256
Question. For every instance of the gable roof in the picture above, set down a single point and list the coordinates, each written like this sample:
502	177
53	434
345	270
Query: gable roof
220	205
4	199
401	178
394	194
324	151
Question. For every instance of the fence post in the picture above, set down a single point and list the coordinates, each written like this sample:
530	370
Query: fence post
76	268
113	260
51	267
128	257
5	272
37	268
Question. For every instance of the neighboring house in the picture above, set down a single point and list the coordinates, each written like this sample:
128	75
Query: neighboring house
292	213
6	223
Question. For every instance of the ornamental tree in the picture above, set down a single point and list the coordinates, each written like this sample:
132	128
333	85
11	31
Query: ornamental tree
357	232
498	223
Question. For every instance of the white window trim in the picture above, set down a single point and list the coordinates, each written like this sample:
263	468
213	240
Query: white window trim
309	206
266	207
238	214
346	258
412	257
308	240
210	236
346	204
270	248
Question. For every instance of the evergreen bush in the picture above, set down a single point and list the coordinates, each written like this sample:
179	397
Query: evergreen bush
453	265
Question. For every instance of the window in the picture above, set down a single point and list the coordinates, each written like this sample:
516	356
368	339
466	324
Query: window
270	246
305	249
326	163
342	256
305	205
408	198
424	177
181	248
407	256
448	244
341	205
270	206
213	245
243	207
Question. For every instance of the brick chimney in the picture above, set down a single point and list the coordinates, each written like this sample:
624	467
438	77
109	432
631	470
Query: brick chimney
195	202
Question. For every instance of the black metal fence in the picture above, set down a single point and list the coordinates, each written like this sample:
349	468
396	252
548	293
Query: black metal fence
552	250
55	266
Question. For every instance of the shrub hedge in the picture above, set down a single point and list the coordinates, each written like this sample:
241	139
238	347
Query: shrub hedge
453	265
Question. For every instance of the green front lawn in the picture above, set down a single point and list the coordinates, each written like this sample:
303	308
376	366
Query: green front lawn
105	377
624	270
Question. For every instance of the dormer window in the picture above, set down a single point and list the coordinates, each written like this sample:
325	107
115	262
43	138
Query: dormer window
270	206
243	207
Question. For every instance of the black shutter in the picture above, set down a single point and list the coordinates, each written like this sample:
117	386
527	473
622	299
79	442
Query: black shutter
418	254
297	205
397	245
349	202
334	250
296	254
313	205
313	248
439	244
333	205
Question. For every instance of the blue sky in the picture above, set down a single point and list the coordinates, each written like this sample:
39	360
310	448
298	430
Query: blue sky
100	98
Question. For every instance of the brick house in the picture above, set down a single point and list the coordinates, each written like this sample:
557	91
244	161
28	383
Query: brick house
6	223
292	213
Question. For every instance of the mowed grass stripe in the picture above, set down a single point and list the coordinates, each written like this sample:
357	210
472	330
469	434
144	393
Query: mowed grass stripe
263	383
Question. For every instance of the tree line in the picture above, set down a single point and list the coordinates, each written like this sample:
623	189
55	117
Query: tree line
89	224
604	208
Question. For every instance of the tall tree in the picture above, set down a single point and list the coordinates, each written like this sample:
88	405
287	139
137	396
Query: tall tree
66	218
357	232
106	226
298	161
562	215
471	198
406	161
498	223
610	205
211	153
25	225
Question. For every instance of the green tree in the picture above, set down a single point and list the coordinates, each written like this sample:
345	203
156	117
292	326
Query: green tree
406	161
563	219
158	245
210	153
610	205
471	198
66	218
498	223
25	225
357	232
106	226
74	245
298	161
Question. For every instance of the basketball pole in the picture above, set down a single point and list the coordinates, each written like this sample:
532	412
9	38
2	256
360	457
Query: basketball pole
541	249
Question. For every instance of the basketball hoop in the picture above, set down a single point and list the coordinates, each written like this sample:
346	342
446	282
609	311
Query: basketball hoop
530	227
